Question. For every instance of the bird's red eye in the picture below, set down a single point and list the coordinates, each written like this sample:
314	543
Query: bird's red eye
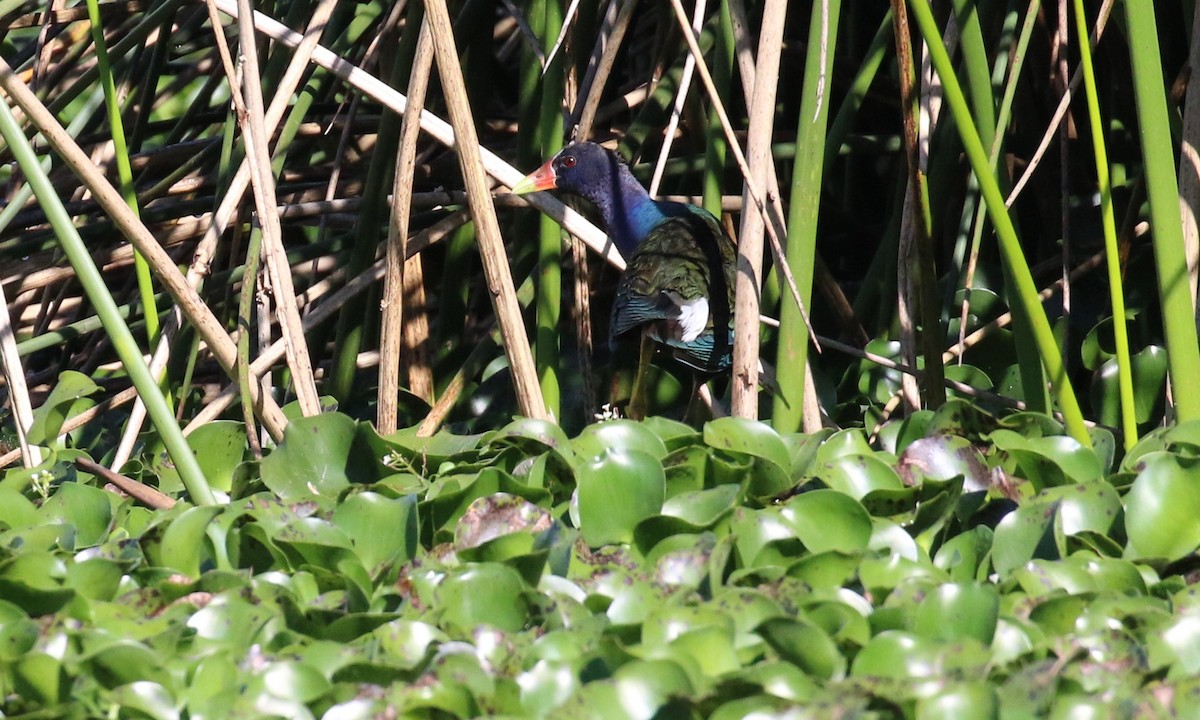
568	161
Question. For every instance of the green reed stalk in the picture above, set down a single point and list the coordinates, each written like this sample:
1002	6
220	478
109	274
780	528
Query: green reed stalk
811	131
1027	309
93	284
1113	255
1162	189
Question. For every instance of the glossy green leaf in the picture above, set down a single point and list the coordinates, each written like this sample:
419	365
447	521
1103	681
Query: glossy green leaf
382	530
596	439
617	490
313	459
68	397
965	700
858	475
88	510
1049	461
1162	508
828	520
806	645
219	447
490	594
942	457
958	610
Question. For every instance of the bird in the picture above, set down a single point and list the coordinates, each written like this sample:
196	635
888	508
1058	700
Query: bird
677	289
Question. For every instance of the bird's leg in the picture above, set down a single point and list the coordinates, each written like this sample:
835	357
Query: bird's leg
637	398
691	416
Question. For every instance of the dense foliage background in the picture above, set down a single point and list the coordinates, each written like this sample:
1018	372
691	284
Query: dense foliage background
355	496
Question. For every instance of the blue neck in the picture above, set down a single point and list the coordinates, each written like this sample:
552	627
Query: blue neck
628	211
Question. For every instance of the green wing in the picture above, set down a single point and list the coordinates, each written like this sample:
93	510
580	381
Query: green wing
685	258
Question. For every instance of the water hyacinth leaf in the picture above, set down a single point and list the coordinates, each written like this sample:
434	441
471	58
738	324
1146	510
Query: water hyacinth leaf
1177	645
95	578
314	458
184	546
806	645
963	555
846	624
767	707
546	686
1149	387
617	490
942	457
961	700
485	594
880	574
87	509
407	643
219	447
494	516
828	520
674	434
531	434
830	569
756	531
33	581
960	417
148	698
702	633
18	635
959	610
1025	534
427	452
621	434
702	508
382	530
1085	507
888	537
803	449
851	442
40	678
448	498
687	470
1162	508
894	654
1032	425
125	661
875	381
748	437
748	608
968	375
68	397
894	436
16	511
1048	461
858	475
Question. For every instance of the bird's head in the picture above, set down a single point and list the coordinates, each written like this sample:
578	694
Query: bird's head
584	169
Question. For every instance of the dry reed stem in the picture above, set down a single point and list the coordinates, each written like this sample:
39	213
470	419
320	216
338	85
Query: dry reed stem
750	241
263	182
1060	112
419	242
138	491
392	328
685	84
18	390
600	65
438	129
487	227
190	303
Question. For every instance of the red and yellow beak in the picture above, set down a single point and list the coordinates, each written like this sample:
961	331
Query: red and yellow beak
541	179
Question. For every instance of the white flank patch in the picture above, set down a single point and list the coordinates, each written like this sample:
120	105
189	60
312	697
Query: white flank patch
693	317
